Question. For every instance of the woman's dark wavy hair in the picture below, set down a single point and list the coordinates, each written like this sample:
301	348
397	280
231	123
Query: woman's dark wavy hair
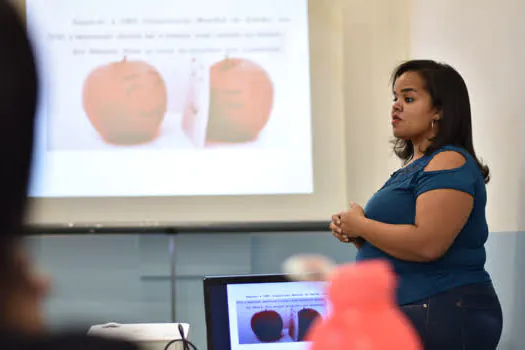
450	97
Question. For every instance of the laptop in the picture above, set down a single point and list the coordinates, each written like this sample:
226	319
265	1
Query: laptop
260	311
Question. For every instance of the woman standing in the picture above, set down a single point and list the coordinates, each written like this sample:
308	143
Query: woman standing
428	220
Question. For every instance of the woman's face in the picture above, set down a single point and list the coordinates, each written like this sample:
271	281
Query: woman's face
412	110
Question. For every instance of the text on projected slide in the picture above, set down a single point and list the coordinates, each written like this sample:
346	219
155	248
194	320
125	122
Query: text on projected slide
203	98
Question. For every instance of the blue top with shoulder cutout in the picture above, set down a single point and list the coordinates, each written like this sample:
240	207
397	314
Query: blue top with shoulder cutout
395	203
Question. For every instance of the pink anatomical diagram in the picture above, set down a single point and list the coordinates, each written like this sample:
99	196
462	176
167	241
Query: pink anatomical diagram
125	102
229	103
241	101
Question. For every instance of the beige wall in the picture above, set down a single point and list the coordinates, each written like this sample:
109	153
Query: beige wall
485	41
376	39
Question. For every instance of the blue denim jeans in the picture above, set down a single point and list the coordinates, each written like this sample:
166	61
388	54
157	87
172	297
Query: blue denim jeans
464	318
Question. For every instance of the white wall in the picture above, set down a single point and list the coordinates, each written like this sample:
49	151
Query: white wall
376	39
484	40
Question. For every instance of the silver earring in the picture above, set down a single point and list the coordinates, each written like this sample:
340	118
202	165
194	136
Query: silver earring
432	125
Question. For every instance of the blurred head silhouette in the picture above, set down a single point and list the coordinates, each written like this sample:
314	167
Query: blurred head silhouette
21	291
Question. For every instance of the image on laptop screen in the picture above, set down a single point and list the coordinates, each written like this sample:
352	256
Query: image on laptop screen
261	312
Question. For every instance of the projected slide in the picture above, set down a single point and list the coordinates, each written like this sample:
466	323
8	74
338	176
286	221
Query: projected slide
277	314
172	98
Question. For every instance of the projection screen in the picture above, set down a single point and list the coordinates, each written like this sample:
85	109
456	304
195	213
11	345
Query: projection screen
168	112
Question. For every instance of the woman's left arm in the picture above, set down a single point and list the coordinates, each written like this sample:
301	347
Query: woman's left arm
440	216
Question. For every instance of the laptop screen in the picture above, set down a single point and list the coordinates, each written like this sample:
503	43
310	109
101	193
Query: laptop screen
261	311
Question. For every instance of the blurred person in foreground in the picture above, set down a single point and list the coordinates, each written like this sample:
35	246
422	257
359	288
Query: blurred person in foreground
22	291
